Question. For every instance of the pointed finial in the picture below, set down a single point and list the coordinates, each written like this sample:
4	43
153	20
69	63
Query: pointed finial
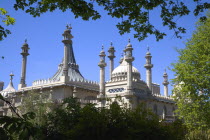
129	44
11	76
148	48
102	47
68	26
122	54
111	43
26	40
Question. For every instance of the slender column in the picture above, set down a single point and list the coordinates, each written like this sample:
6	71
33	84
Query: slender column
148	67
102	65
102	80
165	83
129	59
24	54
67	43
65	68
111	57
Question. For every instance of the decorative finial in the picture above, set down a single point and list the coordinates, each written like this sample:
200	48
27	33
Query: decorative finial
11	76
148	48
129	40
165	70
68	26
111	43
102	47
26	40
122	54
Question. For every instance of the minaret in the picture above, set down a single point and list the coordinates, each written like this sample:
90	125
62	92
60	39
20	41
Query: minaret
165	83
148	67
67	36
129	59
102	65
111	57
24	53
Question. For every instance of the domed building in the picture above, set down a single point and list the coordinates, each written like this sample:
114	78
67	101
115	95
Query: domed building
124	86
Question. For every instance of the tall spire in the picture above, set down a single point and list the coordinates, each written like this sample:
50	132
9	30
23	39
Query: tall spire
68	69
148	67
102	65
165	83
129	59
111	57
24	54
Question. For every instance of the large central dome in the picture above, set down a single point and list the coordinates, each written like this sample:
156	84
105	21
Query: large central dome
121	72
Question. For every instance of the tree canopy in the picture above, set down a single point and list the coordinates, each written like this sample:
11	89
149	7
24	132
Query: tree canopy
134	14
192	90
70	121
7	20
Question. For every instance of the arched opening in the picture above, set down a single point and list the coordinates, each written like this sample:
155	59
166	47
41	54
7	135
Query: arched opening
173	111
164	112
155	109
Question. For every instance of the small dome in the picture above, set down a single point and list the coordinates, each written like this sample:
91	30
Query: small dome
121	71
9	89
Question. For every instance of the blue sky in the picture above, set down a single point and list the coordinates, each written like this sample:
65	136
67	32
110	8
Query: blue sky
44	35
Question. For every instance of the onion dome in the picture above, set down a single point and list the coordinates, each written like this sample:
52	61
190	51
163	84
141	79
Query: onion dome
10	88
121	72
73	67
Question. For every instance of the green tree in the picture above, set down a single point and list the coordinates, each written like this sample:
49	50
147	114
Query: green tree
134	14
71	121
39	103
192	90
7	20
19	126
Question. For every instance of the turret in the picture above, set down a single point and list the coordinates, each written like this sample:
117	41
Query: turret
68	70
129	59
1	85
67	36
111	57
10	88
148	67
165	83
24	54
102	65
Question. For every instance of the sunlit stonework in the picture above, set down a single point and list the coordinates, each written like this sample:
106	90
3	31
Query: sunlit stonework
124	83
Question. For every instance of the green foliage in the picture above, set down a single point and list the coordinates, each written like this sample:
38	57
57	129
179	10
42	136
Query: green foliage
192	90
18	128
71	121
36	102
134	13
7	20
198	135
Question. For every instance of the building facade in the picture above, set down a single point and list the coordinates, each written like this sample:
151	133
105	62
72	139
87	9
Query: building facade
124	82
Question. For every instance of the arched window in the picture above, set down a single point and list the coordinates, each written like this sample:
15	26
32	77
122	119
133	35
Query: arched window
173	111
164	112
155	109
90	99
